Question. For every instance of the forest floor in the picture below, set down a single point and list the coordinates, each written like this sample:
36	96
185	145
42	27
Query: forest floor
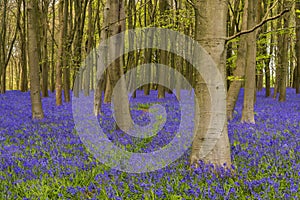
46	159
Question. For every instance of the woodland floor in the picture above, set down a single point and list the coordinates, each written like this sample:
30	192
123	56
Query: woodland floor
45	159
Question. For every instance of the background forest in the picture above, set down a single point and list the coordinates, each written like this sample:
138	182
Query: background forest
67	31
46	46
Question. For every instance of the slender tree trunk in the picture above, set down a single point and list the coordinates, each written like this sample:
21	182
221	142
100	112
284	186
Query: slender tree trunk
284	55
37	111
233	23
104	35
147	55
268	61
22	31
80	13
131	59
262	50
66	51
44	40
163	7
278	53
3	43
89	46
52	86
239	71
6	47
297	50
249	94
179	61
58	83
210	32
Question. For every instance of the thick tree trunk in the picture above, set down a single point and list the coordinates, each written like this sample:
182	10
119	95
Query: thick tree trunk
114	12
249	94
210	32
115	70
37	111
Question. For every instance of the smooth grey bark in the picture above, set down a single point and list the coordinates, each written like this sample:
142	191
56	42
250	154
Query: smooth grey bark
284	54
210	32
114	12
250	86
239	71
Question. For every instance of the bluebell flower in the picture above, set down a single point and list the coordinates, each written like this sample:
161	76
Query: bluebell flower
71	190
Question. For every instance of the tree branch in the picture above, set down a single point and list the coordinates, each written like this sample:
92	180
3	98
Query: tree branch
257	26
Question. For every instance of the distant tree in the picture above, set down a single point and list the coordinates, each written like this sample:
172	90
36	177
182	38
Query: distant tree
263	49
239	71
33	55
63	13
7	39
149	18
43	23
268	60
164	55
22	32
79	24
297	49
89	46
52	66
283	52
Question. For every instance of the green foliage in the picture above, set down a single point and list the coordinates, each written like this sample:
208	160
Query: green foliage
235	78
180	21
298	13
143	106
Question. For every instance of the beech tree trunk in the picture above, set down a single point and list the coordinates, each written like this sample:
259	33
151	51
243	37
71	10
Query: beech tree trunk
36	104
44	47
62	37
163	6
250	86
114	12
284	54
210	32
239	71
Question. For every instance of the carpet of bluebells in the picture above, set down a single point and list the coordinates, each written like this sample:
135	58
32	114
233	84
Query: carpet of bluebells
45	159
